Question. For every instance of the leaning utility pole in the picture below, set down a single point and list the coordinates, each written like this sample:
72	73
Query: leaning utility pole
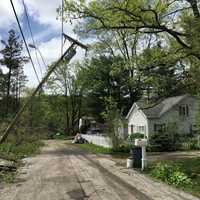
68	55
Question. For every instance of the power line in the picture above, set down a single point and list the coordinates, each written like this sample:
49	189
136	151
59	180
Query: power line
68	55
62	25
31	33
38	62
24	40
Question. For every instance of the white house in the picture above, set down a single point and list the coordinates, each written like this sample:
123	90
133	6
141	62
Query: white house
178	110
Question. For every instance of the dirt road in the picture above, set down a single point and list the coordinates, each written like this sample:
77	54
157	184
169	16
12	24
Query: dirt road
63	171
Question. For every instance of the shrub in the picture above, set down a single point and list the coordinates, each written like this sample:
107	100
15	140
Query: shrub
161	171
19	145
15	152
122	149
166	141
134	136
113	119
179	178
170	173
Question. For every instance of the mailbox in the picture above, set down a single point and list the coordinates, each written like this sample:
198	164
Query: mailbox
141	142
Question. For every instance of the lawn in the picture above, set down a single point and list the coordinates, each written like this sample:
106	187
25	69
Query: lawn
120	152
61	136
183	174
92	148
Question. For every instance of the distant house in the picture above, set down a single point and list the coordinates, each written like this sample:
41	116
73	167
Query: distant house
178	110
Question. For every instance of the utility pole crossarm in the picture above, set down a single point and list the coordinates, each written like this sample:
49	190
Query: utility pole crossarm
75	41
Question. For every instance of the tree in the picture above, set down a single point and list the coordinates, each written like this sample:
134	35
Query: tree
172	25
162	73
147	17
15	78
107	76
68	90
3	79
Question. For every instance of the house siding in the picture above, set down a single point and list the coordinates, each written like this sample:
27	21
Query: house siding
137	118
183	123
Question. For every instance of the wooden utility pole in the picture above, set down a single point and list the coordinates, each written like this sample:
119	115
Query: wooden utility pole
68	55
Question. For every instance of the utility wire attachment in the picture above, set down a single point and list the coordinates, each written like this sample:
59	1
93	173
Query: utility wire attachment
67	37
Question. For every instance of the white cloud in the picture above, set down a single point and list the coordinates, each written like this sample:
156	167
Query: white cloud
44	11
51	52
7	15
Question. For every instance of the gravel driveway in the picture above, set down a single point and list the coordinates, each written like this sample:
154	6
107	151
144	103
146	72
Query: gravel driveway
63	171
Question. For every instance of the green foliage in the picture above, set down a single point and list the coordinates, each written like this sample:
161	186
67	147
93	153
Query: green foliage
18	146
183	173
14	151
168	59
61	136
179	178
7	177
123	148
102	77
105	10
112	118
120	151
96	149
60	110
164	140
171	174
67	98
134	136
20	143
13	81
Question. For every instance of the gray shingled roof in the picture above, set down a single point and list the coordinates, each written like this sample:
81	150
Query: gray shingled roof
155	111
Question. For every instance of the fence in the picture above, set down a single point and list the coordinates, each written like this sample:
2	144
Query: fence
98	140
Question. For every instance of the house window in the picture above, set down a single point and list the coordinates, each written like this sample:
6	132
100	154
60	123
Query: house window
184	110
141	129
159	128
132	128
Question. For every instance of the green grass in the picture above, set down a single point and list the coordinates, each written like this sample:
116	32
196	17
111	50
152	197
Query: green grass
121	152
62	137
96	149
191	167
16	152
12	151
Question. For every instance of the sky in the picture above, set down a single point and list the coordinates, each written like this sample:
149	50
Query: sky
45	27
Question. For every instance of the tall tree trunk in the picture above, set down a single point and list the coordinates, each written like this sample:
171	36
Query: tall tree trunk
8	92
